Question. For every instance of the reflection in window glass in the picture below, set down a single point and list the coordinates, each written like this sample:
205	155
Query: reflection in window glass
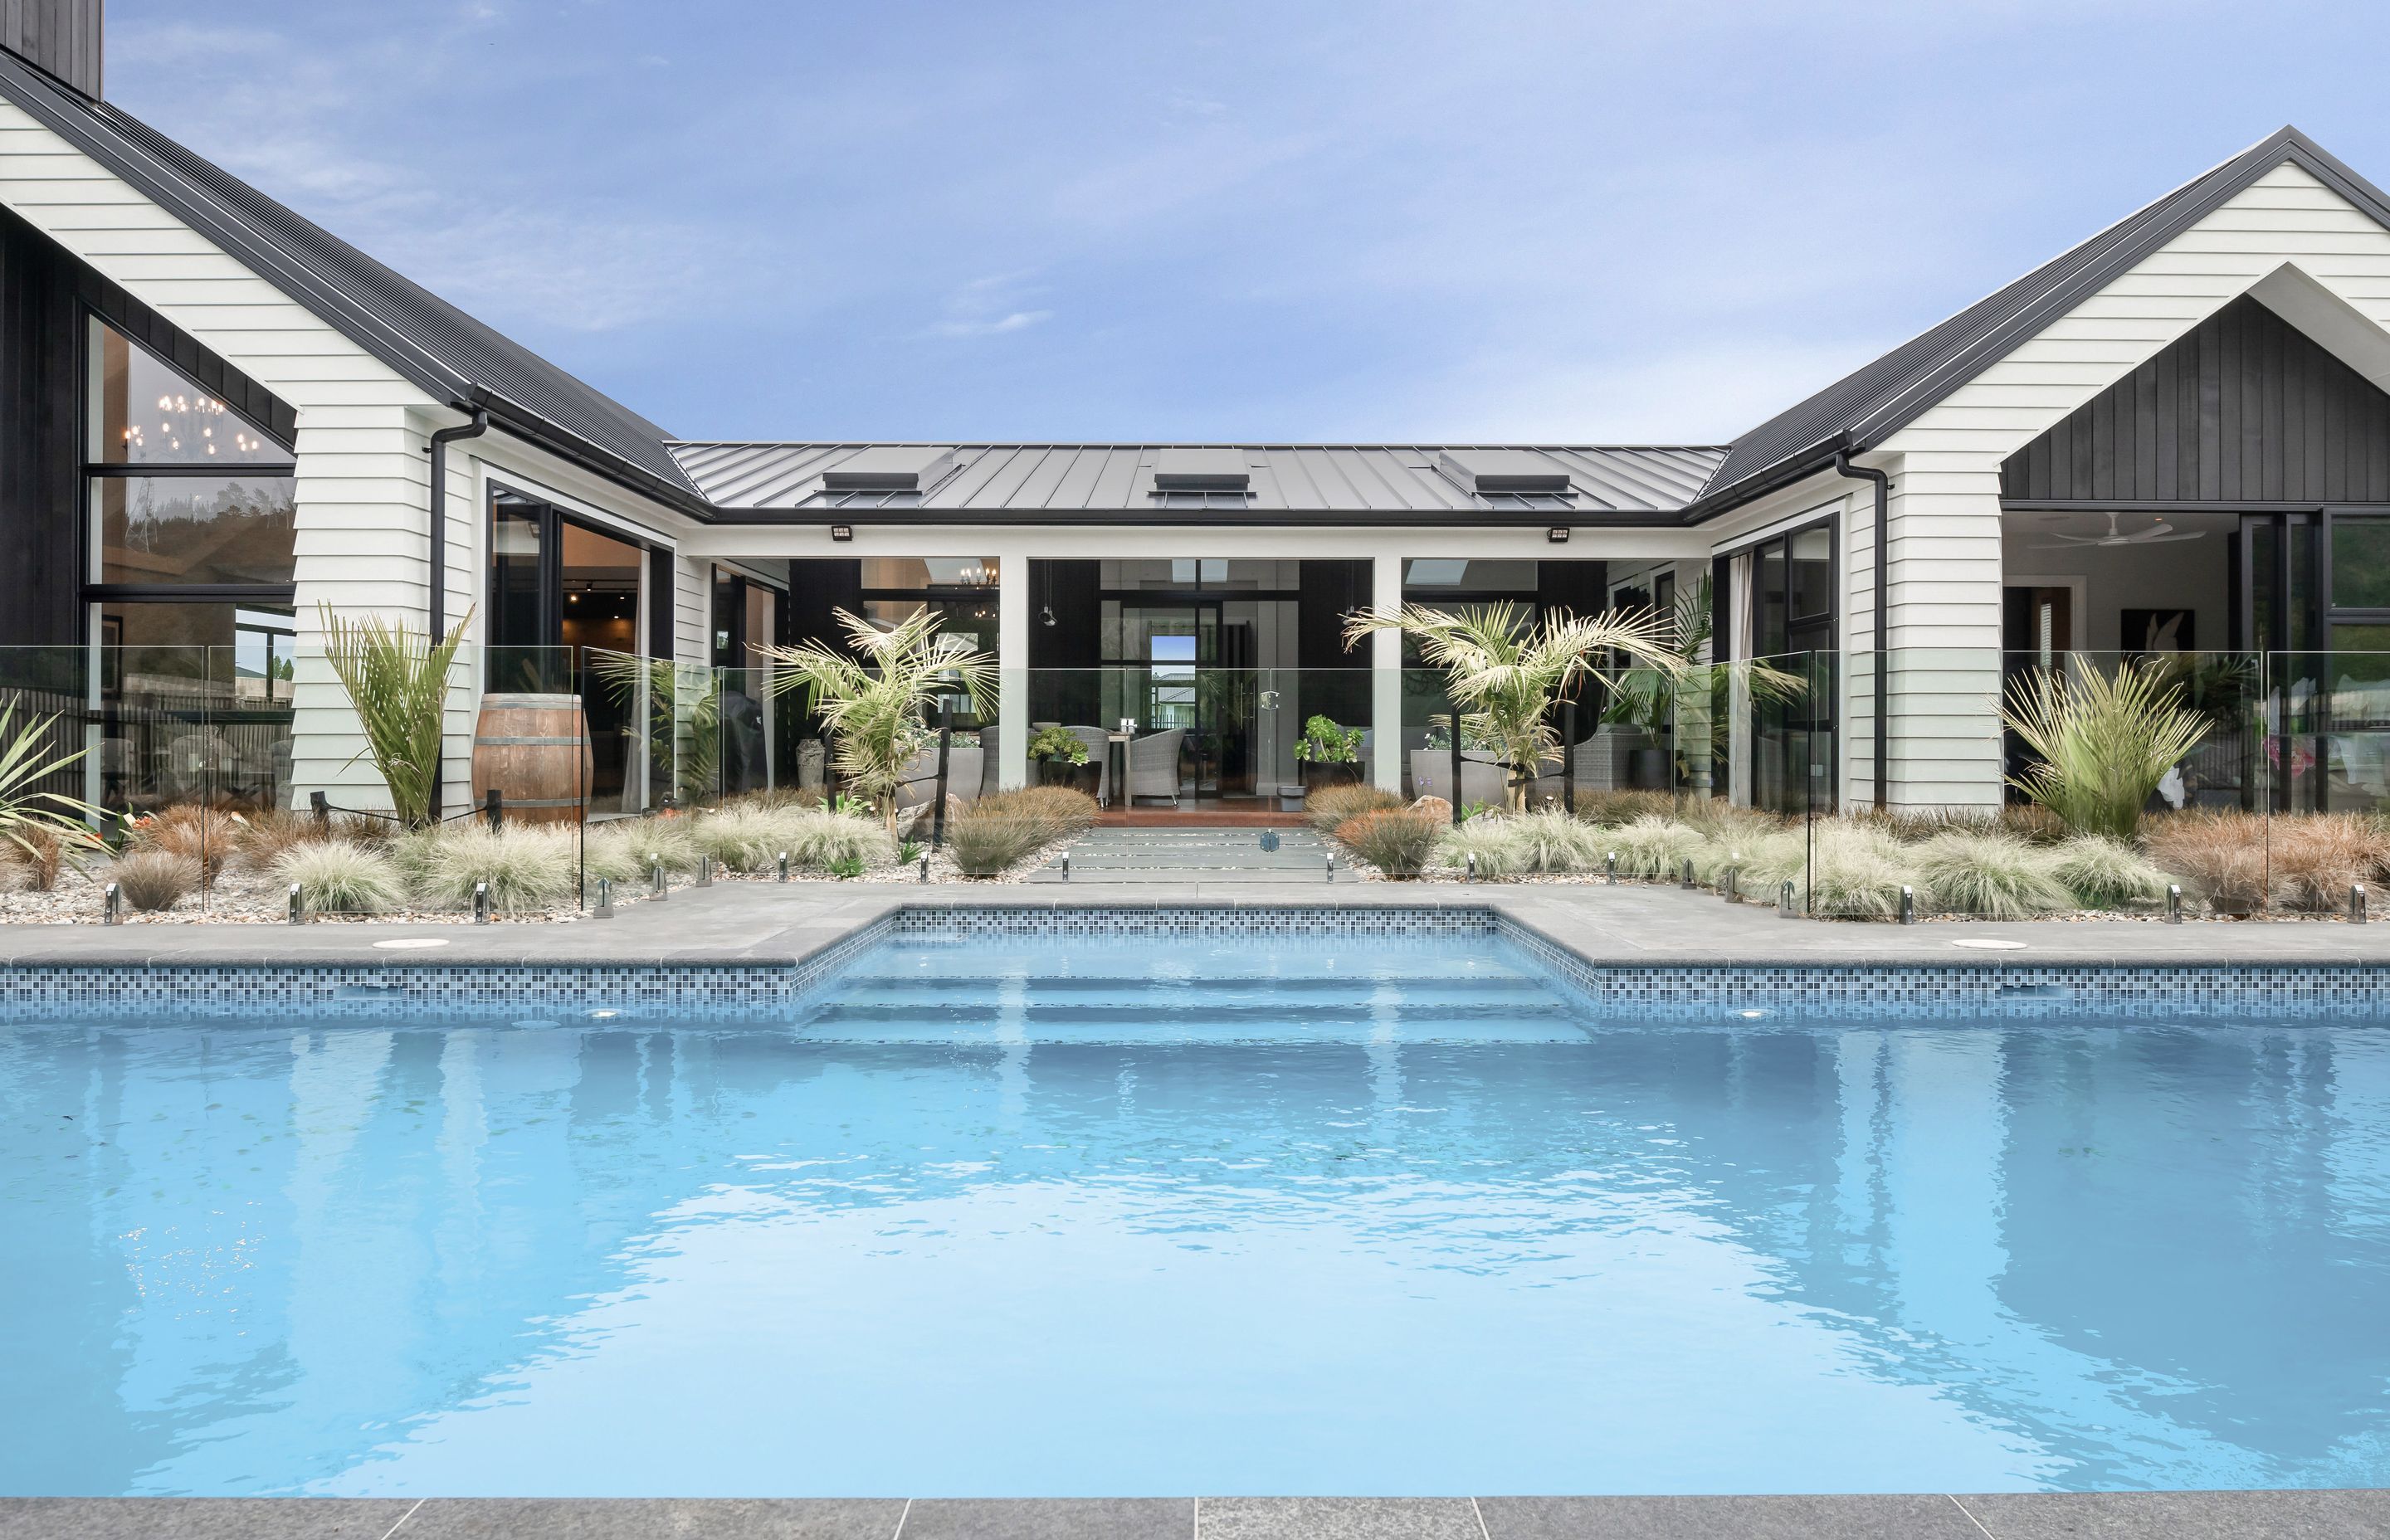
145	411
601	589
514	574
194	529
915	573
1813	572
2360	563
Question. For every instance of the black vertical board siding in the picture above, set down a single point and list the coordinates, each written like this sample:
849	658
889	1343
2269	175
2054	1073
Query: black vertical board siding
2244	409
62	36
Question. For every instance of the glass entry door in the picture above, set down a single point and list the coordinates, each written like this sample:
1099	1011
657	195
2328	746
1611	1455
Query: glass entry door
1185	666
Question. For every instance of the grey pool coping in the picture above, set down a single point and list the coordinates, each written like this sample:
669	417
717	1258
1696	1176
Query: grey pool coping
2038	1515
765	923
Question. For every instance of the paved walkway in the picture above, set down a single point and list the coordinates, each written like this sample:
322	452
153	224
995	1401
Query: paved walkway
2136	1516
1628	923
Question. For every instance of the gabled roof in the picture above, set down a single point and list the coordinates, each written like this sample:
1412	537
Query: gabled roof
421	336
1115	482
1864	408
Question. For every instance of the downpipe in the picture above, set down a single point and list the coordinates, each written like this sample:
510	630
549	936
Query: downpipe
438	604
1843	466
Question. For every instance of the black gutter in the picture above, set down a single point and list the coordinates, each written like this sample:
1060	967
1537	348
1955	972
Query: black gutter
1843	466
1818	456
441	440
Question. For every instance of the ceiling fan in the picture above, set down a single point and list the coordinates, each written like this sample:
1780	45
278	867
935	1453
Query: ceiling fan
2159	533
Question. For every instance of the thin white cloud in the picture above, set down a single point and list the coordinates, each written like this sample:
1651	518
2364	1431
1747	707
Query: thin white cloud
1019	320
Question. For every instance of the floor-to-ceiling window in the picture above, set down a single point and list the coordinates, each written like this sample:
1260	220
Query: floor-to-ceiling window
565	601
191	520
1791	612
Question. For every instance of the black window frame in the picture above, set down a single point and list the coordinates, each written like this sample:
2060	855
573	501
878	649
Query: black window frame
92	591
654	573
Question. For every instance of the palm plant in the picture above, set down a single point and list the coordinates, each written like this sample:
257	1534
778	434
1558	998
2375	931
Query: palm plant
29	818
875	706
397	681
1504	673
685	724
2103	743
1649	698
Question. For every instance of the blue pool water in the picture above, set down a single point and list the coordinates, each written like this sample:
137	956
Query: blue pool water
1036	1217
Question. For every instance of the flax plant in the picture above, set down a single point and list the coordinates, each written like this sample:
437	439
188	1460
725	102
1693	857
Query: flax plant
875	704
1504	674
398	680
2103	743
36	822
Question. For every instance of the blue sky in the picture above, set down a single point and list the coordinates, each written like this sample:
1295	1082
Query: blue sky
1623	223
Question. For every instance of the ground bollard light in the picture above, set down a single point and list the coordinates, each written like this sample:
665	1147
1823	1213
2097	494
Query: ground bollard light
1908	904
784	866
705	872
605	908
1471	874
1610	866
925	869
111	905
1685	879
1331	865
656	886
1784	898
481	904
1066	866
2174	903
1728	880
2356	904
297	905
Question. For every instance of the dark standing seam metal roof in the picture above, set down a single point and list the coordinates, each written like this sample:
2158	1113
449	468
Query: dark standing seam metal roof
1863	409
1113	483
421	336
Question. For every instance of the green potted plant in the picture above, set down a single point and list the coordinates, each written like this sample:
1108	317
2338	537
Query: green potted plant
1506	668
1062	759
1327	754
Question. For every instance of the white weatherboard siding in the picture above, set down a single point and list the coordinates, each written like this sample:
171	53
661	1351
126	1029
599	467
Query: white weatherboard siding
363	441
1946	525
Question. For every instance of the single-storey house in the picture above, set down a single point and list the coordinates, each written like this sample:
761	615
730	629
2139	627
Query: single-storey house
216	416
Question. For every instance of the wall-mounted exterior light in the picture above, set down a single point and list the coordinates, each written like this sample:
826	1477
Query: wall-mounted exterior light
1557	534
841	532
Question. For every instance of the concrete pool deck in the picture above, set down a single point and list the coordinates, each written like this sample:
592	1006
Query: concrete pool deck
1626	923
2117	1515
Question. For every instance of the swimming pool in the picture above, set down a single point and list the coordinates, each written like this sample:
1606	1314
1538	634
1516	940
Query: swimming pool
1029	1215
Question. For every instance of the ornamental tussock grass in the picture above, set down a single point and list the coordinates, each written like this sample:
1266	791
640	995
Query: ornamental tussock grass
999	831
339	878
204	835
1399	841
626	850
1856	873
2219	857
1652	845
526	865
1494	840
154	880
1331	805
818	839
42	851
2107	874
989	843
1625	807
744	837
2313	859
1990	875
265	835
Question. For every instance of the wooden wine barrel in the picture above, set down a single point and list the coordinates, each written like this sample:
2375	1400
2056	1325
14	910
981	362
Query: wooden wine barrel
535	750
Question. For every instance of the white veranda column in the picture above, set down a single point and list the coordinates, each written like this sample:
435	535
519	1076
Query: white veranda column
1013	670
1386	674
